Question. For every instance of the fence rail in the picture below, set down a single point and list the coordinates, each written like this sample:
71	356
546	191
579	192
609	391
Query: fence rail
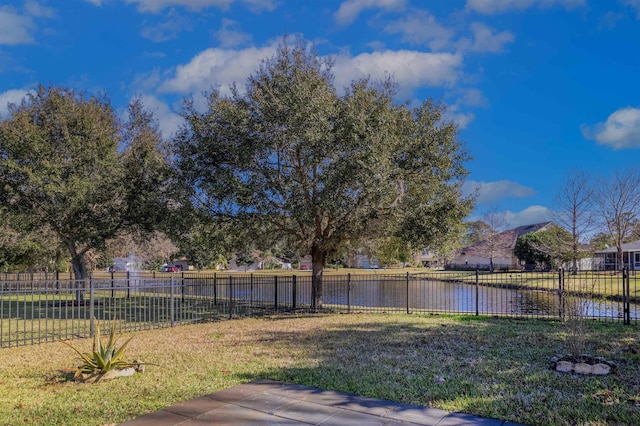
36	311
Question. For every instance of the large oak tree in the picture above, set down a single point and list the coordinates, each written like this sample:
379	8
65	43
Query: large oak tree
69	165
293	155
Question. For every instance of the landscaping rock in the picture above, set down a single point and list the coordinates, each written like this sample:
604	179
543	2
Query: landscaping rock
583	364
564	366
582	368
114	374
600	369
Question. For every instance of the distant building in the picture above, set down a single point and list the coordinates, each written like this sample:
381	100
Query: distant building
130	264
607	259
428	259
479	255
363	261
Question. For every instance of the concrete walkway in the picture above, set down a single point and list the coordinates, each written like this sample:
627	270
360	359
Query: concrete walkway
265	402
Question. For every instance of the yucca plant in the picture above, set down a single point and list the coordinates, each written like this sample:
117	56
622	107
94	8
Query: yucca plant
103	357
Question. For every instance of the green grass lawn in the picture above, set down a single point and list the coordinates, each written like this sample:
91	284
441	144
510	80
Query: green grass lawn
489	367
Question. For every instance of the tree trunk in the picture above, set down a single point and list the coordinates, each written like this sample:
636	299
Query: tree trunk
620	257
79	271
318	260
79	267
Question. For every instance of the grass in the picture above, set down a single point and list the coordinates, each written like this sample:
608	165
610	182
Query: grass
485	366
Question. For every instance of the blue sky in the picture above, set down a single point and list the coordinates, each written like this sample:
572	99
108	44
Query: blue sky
537	87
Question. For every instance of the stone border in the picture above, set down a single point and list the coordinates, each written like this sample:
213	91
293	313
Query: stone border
583	364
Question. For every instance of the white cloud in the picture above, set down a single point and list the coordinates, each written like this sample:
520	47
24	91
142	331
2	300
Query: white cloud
95	2
168	30
467	97
229	35
147	82
489	192
168	121
460	119
222	67
350	9
409	68
421	28
621	130
609	20
13	96
485	40
528	216
491	7
33	8
257	6
471	97
15	28
155	6
216	67
635	4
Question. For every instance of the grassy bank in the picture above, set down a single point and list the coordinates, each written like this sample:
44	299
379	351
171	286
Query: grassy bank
485	366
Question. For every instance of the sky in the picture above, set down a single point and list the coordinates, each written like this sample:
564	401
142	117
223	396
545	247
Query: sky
537	88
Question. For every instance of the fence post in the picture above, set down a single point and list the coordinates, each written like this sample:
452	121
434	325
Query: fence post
215	288
407	293
561	295
293	292
477	292
129	285
275	293
182	286
349	293
230	296
112	285
626	291
172	305
92	312
251	289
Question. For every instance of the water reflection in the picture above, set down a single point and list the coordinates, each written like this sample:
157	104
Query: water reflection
416	295
456	297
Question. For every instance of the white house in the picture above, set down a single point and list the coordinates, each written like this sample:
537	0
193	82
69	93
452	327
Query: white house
608	258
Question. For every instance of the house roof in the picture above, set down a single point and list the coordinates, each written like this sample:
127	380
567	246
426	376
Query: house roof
632	246
506	240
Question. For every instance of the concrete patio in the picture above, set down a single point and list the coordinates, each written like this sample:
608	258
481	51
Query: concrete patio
265	402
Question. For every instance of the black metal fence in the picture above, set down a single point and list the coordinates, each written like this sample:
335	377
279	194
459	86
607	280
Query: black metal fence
35	311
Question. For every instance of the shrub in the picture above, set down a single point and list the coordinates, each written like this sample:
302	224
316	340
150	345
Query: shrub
103	357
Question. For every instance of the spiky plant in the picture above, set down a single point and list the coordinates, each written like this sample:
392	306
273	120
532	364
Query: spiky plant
103	357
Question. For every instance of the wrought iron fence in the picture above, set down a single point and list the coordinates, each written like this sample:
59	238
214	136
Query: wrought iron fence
35	311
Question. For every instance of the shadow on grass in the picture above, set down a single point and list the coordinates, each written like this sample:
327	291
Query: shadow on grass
495	368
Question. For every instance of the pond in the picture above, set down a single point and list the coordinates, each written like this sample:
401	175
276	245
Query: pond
426	295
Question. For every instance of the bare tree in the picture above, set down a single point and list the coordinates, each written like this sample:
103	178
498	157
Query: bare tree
618	201
495	221
574	210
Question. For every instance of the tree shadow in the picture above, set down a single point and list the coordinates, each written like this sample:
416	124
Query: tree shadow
483	366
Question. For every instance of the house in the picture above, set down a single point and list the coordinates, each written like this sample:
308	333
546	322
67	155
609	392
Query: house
607	259
479	255
427	258
364	261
